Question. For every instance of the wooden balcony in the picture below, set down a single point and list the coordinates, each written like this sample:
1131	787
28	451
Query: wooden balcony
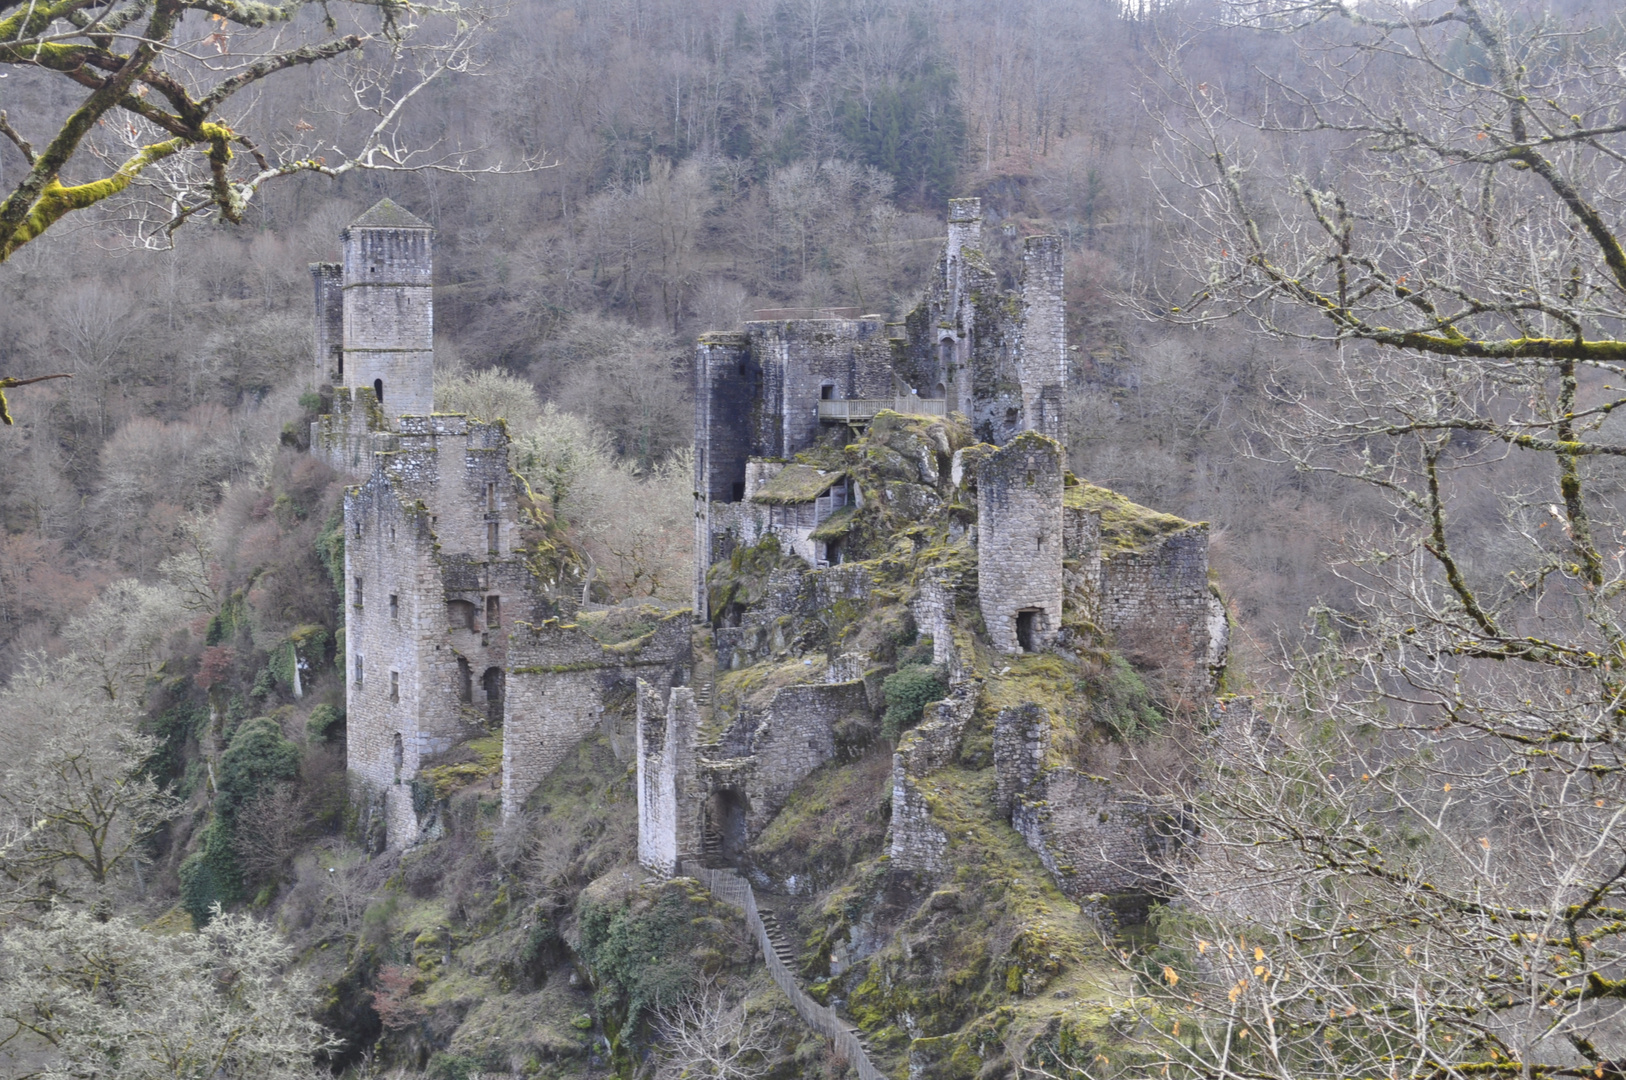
863	410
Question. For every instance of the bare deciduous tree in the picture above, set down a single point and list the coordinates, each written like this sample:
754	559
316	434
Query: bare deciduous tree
1421	873
706	1035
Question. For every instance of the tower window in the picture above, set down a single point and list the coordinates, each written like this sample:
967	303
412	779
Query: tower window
395	686
491	537
491	496
465	681
359	671
378	390
395	605
357	600
399	755
827	392
493	612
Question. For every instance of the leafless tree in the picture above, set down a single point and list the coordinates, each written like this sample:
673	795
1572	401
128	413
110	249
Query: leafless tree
706	1035
269	831
1420	873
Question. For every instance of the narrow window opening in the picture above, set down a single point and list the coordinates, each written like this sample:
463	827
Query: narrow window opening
1026	622
357	600
827	392
395	605
491	496
493	612
378	390
465	681
395	686
491	537
399	755
359	671
392	534
945	353
492	683
340	354
738	491
358	526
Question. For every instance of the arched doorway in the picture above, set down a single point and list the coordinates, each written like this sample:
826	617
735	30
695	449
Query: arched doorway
378	390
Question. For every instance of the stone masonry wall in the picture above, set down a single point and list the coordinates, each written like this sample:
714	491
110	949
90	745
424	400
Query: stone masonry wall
669	803
800	356
1019	539
795	737
328	279
560	682
918	844
389	315
1161	611
1042	355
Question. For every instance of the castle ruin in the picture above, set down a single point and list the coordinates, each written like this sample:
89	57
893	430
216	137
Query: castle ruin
808	431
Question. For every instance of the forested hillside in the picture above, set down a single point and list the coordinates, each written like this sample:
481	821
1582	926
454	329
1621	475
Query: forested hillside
1344	284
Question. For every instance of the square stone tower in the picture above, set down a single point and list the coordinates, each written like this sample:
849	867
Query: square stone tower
388	310
1019	542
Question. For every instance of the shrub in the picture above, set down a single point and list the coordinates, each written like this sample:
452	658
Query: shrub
325	722
259	756
1122	701
908	691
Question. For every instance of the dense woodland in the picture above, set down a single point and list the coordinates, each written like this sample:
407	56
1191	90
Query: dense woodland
1411	533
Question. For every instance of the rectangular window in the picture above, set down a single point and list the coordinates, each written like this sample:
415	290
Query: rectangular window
491	496
395	605
395	686
493	612
358	671
491	537
356	600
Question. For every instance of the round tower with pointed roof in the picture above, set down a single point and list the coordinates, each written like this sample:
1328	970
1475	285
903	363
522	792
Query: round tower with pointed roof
389	324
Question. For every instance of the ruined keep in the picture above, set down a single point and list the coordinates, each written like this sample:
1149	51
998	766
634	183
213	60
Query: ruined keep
872	499
449	631
765	393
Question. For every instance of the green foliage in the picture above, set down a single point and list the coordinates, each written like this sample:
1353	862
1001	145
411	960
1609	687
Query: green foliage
210	875
910	128
173	728
640	953
1122	702
330	547
908	691
223	627
259	756
324	722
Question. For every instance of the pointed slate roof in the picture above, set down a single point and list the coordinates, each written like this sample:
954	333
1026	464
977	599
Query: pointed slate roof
388	215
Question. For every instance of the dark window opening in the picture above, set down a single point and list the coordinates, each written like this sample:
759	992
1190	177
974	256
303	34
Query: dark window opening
945	353
1011	416
1026	623
832	552
738	491
942	390
395	686
338	352
465	681
399	755
493	612
357	600
395	605
492	683
359	671
378	390
827	392
491	537
460	615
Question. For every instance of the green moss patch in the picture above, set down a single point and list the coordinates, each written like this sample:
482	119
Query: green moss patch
1125	526
795	484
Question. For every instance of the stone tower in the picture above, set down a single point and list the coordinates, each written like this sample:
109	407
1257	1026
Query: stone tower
1019	542
388	311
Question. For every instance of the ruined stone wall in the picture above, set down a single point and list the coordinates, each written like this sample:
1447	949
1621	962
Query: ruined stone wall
1160	609
347	438
328	280
561	682
800	356
1091	834
389	315
795	737
1019	540
918	844
1041	358
401	699
669	799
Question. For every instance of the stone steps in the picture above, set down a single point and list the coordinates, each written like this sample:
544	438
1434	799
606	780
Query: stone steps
776	938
